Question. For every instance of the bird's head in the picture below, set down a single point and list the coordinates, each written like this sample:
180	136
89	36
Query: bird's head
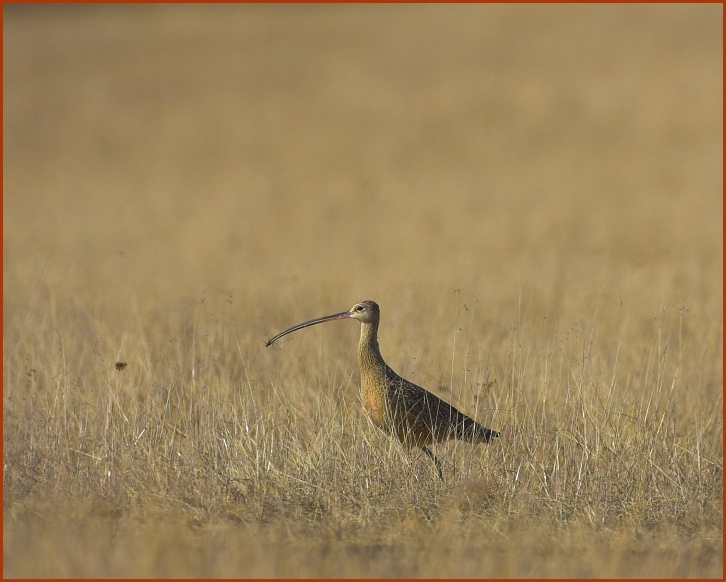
366	311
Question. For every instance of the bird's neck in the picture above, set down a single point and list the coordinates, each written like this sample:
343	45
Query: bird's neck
369	354
374	375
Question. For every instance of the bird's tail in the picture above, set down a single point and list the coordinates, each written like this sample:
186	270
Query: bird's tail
470	431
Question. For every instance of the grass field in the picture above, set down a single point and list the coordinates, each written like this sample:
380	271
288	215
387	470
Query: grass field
533	194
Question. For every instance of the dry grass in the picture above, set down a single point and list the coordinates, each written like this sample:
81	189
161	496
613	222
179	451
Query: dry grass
534	196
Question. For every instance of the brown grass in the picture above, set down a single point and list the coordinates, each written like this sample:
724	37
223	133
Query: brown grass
532	193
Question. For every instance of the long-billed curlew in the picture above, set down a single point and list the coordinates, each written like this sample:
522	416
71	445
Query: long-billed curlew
397	406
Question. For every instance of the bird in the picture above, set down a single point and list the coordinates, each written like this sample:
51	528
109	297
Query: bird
412	414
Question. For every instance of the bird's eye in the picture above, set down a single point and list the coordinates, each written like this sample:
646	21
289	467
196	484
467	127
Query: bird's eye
359	308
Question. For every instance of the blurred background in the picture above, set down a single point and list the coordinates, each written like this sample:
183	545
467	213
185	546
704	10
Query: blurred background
296	159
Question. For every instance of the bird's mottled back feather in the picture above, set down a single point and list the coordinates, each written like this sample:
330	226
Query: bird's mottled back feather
421	418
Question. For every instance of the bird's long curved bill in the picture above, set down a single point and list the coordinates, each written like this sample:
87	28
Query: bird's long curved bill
341	315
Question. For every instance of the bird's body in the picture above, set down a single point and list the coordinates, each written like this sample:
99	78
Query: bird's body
395	405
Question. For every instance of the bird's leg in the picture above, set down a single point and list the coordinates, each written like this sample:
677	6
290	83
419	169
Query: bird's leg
435	460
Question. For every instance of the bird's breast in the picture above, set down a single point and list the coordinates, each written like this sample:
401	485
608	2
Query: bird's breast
374	399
